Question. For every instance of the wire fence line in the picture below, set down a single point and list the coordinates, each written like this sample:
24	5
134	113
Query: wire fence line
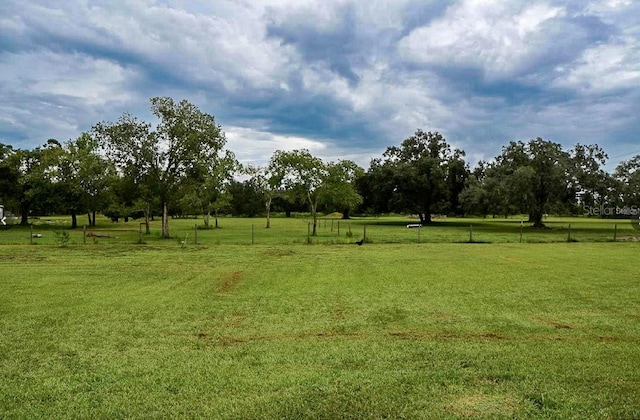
235	231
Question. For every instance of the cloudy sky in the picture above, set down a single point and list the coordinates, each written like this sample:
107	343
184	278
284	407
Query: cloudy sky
343	78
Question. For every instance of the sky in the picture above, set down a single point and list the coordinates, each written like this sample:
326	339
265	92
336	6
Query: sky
342	78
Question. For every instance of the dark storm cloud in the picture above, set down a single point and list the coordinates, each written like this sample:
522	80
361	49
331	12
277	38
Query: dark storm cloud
335	75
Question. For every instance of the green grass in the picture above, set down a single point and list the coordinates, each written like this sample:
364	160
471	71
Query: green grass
326	331
242	231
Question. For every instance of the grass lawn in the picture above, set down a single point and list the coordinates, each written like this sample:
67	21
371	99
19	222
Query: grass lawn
284	330
378	230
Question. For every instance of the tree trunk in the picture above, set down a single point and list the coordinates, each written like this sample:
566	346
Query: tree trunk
165	221
425	218
267	206
93	220
314	214
536	219
147	210
215	214
24	214
206	220
89	217
74	220
346	214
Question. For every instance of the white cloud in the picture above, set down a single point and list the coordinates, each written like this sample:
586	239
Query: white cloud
92	81
256	146
496	36
604	68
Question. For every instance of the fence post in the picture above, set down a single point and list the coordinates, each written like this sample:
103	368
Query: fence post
253	235
195	234
470	233
419	229
84	234
569	235
31	234
615	232
521	228
338	227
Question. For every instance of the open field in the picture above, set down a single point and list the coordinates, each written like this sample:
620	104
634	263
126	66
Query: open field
243	231
329	331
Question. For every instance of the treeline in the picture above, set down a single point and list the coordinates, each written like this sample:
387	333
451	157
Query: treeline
181	166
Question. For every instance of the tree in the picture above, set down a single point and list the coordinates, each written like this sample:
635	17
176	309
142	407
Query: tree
301	174
207	185
245	199
184	140
627	174
421	170
338	190
593	186
9	178
376	187
33	174
265	182
83	178
538	174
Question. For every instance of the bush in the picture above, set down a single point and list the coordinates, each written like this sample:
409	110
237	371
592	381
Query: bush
62	238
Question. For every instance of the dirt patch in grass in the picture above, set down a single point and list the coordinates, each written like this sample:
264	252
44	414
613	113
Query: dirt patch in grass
555	324
230	281
279	253
481	405
413	335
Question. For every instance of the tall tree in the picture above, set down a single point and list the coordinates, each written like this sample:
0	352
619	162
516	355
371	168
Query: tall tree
33	171
539	175
420	169
338	190
9	178
627	174
302	174
245	199
264	181
207	185
185	138
593	185
83	178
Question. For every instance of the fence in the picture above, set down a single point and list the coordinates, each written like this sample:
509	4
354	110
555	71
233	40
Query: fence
236	231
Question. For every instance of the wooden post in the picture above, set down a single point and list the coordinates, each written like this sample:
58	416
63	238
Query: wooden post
332	226
338	227
195	234
569	235
84	234
521	227
615	232
419	229
253	234
470	233
31	235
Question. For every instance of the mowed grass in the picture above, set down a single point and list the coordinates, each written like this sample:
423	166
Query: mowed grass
330	230
325	331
